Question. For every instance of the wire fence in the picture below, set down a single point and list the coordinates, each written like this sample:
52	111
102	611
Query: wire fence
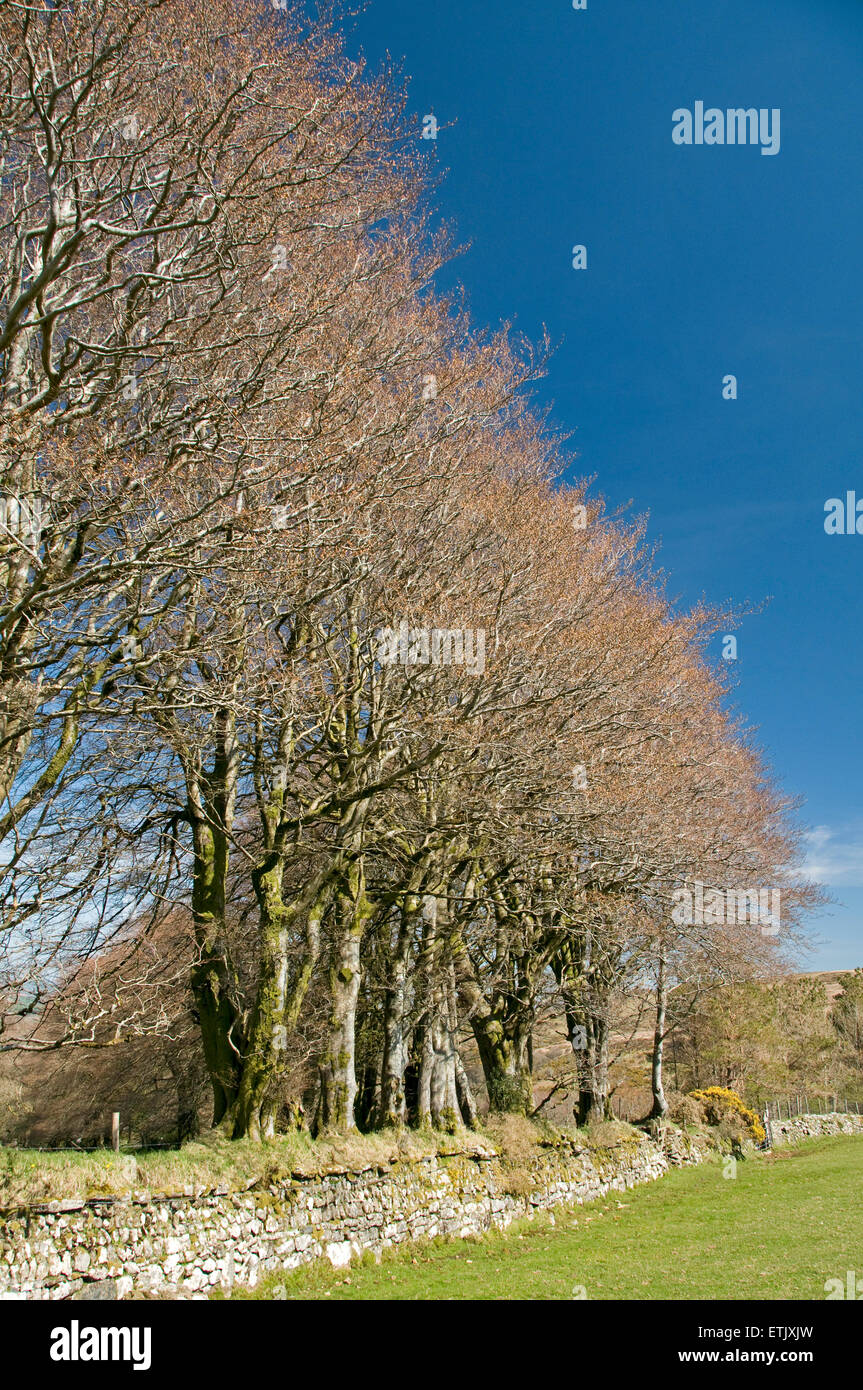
631	1110
70	1146
788	1107
782	1108
628	1110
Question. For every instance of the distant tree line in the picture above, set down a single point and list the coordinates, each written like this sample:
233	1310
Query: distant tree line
771	1041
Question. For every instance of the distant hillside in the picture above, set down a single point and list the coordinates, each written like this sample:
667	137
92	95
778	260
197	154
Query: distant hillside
631	1044
830	979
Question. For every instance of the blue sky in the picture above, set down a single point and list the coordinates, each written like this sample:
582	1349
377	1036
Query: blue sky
702	261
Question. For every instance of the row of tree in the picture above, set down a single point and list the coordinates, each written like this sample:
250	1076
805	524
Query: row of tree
796	1041
334	726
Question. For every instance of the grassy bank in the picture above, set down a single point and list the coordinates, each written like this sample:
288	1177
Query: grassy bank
30	1176
787	1221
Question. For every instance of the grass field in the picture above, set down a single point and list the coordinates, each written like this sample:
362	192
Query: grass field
786	1223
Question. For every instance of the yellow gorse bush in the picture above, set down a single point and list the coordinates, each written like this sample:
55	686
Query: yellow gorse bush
720	1102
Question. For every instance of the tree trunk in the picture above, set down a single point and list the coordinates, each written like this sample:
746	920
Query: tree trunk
463	1087
593	1102
438	1092
210	808
587	1030
278	998
212	983
503	1051
467	1103
425	1067
660	1104
502	1031
338	1068
424	1032
257	1102
585	1000
393	1107
445	1111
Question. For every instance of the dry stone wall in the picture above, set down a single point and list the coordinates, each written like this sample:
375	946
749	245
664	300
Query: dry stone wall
182	1245
813	1126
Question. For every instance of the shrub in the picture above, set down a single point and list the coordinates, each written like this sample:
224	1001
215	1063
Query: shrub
724	1109
685	1110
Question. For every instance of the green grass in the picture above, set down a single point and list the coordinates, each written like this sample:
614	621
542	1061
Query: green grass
786	1223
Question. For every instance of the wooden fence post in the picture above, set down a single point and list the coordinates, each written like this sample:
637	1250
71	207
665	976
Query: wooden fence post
115	1131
